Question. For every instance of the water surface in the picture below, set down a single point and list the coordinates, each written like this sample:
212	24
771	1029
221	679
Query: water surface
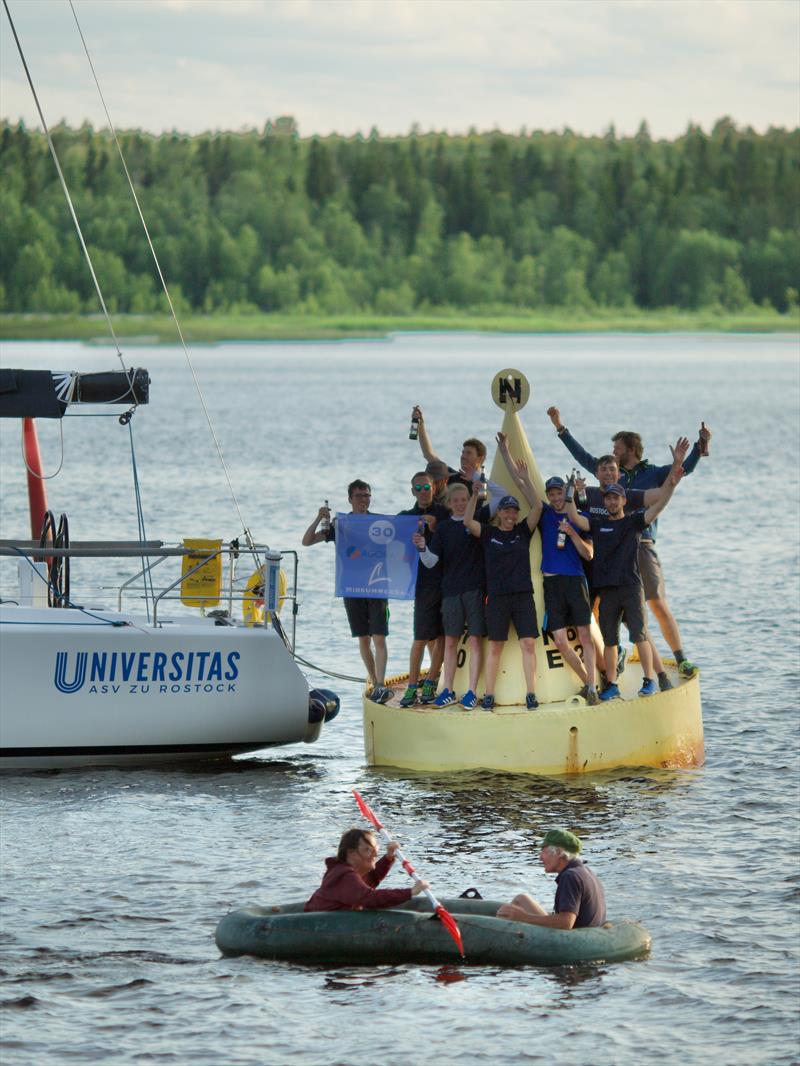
112	882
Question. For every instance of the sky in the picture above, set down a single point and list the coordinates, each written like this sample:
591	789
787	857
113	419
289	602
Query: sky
347	66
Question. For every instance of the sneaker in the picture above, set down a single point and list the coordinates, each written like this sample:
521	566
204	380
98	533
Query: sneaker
622	655
583	692
409	697
487	703
469	700
428	692
380	694
592	698
610	692
649	687
664	683
687	669
531	703
445	698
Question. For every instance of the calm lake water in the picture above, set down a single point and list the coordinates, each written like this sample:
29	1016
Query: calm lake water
112	882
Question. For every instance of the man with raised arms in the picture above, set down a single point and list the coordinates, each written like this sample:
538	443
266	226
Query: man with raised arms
463	593
473	457
368	618
608	474
617	580
427	597
638	473
580	900
566	594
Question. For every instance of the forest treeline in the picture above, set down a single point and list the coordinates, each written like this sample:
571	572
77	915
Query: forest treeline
269	221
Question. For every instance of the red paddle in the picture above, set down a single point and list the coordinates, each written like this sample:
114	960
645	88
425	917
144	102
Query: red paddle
444	916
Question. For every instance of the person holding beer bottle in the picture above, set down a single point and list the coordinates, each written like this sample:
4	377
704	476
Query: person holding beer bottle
368	618
428	631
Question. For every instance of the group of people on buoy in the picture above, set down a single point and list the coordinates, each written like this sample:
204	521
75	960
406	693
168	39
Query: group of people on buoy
352	877
474	575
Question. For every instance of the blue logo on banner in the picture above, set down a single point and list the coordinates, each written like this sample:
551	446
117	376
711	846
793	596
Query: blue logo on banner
375	556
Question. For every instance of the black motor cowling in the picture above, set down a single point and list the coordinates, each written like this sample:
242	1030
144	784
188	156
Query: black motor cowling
323	705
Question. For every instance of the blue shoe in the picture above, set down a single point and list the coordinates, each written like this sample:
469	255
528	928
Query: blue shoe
649	687
469	700
487	703
531	703
445	698
622	655
611	692
380	694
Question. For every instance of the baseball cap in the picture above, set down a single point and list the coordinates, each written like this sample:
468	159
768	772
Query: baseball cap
508	501
614	490
554	483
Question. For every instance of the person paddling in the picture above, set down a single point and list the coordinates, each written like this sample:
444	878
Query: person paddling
580	900
352	875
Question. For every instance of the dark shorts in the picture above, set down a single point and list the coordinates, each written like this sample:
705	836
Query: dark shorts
367	618
622	603
428	616
465	609
566	600
516	607
650	569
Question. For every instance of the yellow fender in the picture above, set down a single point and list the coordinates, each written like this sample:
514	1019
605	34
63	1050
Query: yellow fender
253	601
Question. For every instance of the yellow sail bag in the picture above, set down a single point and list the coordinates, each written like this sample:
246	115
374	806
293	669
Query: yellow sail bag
202	588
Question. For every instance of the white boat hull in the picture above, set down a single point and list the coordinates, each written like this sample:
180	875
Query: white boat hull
77	690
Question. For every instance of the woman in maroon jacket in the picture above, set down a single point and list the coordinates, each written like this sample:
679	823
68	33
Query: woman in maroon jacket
350	879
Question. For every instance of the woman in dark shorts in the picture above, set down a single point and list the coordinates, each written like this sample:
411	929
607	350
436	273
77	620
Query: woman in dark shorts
506	556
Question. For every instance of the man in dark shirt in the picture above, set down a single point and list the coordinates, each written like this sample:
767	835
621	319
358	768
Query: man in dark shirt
469	473
635	472
463	592
427	597
615	571
608	473
580	900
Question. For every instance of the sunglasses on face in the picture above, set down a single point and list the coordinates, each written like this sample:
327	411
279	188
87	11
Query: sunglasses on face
421	488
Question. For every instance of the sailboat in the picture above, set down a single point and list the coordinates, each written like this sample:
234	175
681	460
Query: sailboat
202	666
564	735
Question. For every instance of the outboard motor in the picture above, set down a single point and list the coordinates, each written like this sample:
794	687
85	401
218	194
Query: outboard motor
323	705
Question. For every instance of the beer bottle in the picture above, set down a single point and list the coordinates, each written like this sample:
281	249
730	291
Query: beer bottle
703	443
561	539
581	492
413	432
325	524
421	531
570	491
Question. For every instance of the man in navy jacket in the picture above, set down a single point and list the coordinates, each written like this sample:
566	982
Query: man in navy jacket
638	473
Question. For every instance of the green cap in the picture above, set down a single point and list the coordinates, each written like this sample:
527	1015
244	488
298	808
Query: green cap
562	838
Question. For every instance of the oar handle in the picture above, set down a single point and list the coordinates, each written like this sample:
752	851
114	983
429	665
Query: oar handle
409	869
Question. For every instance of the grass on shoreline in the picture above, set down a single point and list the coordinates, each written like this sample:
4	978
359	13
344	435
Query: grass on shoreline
209	329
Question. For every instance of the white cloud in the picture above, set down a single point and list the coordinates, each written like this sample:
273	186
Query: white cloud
347	65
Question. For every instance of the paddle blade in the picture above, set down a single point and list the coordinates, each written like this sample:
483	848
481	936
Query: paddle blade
365	810
449	922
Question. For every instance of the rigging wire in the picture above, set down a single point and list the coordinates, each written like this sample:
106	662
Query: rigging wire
217	445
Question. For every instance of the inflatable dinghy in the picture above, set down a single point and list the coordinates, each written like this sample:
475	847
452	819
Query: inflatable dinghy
410	933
